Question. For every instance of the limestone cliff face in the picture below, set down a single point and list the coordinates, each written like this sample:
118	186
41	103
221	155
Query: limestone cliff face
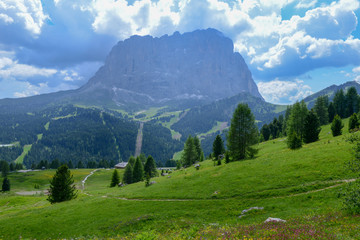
196	65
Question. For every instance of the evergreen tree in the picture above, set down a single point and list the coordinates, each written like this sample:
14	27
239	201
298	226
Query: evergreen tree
312	128
115	179
297	119
128	174
353	122
321	109
189	155
336	126
132	161
142	158
62	186
150	167
138	172
12	167
70	164
227	157
352	102
243	133
340	103
5	185
265	132
202	156
55	164
218	147
197	147
91	164
331	112
4	168
294	141
80	164
286	119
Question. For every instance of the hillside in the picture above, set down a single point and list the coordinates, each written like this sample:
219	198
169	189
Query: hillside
299	186
80	134
330	92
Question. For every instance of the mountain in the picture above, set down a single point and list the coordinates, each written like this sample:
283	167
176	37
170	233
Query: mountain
330	92
141	72
199	65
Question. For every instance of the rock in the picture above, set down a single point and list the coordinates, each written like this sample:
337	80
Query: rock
199	65
169	176
152	182
270	219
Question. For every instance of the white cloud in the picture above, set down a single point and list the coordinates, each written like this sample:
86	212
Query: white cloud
31	90
278	91
306	4
28	13
10	68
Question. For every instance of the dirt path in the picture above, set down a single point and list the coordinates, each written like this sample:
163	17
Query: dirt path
84	181
139	140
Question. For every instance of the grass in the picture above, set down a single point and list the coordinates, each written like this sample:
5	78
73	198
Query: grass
26	149
198	204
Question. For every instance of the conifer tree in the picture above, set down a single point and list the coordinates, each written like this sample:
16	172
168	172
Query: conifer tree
150	167
80	164
218	147
265	131
138	171
294	141
353	122
132	161
352	101
189	154
340	103
336	126
321	109
115	179
297	119
312	128
331	112
55	164
128	174
243	133
5	185
4	168
197	147
70	165
62	186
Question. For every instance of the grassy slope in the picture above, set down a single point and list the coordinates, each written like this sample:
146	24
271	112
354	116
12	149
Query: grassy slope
268	181
20	159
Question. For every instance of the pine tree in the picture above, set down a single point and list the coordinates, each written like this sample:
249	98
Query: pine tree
218	147
138	172
265	131
4	168
352	101
227	157
142	158
353	122
294	141
336	126
132	161
312	128
297	119
189	154
5	185
62	186
340	103
115	179
321	109
331	112
243	133
70	165
80	164
128	174
150	167
55	164
197	147
12	167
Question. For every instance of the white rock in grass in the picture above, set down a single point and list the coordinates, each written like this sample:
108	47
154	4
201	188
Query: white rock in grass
270	219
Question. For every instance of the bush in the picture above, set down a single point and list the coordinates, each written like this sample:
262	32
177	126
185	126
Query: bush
351	197
6	185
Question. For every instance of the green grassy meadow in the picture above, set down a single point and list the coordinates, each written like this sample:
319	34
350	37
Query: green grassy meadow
300	186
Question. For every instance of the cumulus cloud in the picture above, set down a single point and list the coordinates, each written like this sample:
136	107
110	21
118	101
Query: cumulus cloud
278	91
27	13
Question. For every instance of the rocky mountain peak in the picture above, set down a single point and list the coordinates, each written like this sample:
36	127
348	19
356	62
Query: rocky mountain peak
195	65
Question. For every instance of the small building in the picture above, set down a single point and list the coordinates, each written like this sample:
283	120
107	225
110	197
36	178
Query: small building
121	165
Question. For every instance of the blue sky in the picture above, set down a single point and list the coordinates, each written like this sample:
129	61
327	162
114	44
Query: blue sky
293	48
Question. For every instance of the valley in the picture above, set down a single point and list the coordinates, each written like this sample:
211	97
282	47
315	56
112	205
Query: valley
301	187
